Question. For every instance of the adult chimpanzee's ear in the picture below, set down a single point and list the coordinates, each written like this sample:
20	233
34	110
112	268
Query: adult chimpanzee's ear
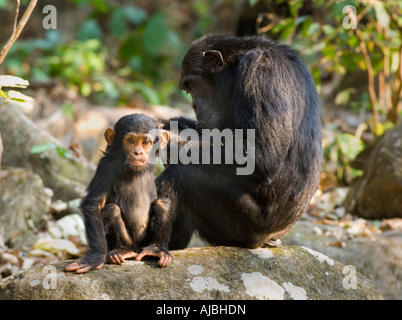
109	135
164	138
215	57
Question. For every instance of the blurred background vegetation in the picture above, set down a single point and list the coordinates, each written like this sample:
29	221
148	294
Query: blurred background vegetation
128	53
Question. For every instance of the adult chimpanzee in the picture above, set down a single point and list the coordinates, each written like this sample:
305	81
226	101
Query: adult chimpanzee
122	212
246	83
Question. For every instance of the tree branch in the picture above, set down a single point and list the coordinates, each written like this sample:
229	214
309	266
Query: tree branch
396	92
370	74
18	28
17	12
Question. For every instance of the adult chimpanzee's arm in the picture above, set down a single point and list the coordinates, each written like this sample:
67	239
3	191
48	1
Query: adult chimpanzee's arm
182	123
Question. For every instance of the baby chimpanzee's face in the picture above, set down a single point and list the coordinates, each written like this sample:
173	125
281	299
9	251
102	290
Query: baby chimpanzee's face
136	149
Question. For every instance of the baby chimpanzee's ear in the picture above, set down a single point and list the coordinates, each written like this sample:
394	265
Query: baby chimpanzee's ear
109	135
164	138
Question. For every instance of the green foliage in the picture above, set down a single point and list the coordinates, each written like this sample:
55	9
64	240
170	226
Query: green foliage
63	152
100	6
4	4
11	81
13	95
253	2
121	18
68	109
90	30
119	52
80	63
329	44
340	149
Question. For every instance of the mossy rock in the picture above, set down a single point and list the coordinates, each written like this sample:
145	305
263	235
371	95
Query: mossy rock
288	272
68	178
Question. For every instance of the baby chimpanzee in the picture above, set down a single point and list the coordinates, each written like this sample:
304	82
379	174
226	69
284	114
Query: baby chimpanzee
124	218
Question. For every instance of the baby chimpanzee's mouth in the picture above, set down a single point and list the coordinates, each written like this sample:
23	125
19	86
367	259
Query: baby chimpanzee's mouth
135	163
138	162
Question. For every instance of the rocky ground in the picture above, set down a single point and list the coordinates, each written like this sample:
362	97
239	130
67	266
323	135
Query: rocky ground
211	273
40	222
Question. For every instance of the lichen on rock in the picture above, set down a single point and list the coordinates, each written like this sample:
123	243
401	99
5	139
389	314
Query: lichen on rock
197	273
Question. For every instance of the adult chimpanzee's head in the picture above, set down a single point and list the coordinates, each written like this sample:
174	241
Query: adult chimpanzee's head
208	73
226	73
133	138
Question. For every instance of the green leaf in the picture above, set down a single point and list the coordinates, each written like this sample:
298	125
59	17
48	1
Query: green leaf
355	173
349	145
288	28
129	48
343	96
19	96
42	148
68	109
4	4
380	128
305	26
110	88
328	29
63	152
12	81
40	74
329	51
20	99
118	23
90	30
149	93
300	20
135	15
53	37
313	28
252	2
294	6
353	41
155	34
86	89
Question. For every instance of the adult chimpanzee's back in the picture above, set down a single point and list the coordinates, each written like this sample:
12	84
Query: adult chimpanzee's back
247	83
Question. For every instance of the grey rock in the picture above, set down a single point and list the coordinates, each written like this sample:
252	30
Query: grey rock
23	202
378	193
378	257
288	272
68	178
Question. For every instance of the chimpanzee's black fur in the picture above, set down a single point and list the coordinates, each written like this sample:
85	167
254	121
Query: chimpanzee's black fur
258	85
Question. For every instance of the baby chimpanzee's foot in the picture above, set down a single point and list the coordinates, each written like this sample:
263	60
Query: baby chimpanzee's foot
153	251
118	256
